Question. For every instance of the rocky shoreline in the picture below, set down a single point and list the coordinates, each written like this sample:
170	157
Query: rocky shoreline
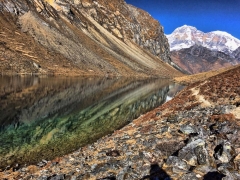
196	135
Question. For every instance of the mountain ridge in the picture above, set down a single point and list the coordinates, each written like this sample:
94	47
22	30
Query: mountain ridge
186	36
195	51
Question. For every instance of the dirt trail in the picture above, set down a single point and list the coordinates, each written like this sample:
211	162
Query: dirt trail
200	98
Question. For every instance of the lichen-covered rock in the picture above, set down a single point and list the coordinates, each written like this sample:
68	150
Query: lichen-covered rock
224	152
194	153
177	164
189	176
187	129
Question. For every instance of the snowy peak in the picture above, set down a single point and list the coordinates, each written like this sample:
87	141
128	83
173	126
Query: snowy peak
187	36
185	28
231	42
222	33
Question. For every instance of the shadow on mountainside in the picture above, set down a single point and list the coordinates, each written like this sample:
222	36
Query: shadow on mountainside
156	173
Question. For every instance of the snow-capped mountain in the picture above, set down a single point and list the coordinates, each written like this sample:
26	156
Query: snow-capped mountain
187	36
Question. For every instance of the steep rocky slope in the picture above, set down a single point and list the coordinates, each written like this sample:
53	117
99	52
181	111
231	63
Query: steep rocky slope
198	59
236	54
193	136
81	38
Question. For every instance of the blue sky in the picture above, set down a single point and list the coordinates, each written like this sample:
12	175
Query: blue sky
205	15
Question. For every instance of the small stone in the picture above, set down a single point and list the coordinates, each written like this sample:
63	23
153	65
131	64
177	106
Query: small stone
177	163
41	164
198	176
74	178
223	158
173	119
24	169
164	129
129	153
191	159
71	159
224	152
113	153
57	177
237	161
201	155
43	178
108	178
204	169
138	136
44	161
187	129
93	167
194	153
44	171
190	176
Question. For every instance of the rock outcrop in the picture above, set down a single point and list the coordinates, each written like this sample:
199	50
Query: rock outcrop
236	54
130	23
81	37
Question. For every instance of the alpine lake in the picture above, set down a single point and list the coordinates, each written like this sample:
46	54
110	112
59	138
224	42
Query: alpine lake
44	117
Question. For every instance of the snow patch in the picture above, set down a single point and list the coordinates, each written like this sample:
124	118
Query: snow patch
180	46
168	98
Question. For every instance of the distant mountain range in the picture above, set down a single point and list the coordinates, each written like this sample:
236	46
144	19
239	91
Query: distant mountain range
196	51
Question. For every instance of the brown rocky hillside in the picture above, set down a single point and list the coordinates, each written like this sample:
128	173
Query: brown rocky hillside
81	38
197	59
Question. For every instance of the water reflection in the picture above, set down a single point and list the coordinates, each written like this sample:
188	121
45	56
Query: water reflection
45	117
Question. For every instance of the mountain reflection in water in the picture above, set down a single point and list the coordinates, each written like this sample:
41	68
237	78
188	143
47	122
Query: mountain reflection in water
46	117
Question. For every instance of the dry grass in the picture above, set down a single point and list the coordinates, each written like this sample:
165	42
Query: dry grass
223	88
188	79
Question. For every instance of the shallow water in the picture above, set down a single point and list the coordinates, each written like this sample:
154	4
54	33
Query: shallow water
46	117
